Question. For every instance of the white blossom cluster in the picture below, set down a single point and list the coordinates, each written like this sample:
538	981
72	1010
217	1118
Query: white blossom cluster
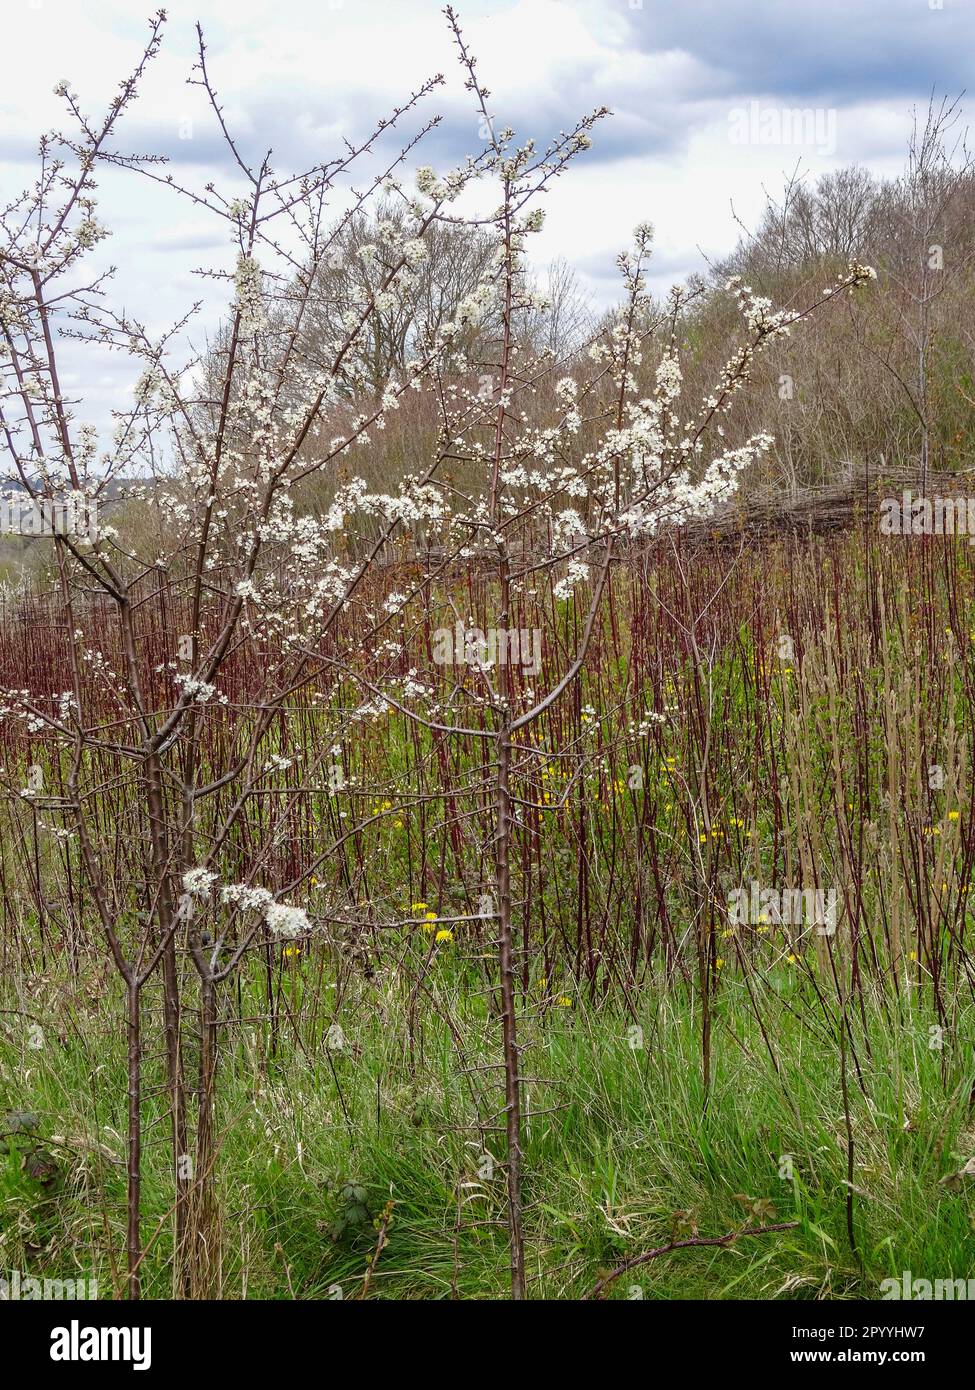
284	919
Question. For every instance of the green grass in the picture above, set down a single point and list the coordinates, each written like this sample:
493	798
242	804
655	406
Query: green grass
618	1142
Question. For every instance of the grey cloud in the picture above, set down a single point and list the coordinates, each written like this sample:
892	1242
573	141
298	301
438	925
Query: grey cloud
840	51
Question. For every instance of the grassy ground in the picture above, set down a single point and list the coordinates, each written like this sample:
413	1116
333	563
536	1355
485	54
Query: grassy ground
621	1152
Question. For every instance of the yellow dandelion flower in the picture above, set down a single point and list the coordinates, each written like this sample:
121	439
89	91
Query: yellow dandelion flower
444	935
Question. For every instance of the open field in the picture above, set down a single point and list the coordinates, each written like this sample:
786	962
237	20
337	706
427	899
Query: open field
686	1075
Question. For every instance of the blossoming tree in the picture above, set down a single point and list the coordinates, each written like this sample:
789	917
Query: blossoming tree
544	474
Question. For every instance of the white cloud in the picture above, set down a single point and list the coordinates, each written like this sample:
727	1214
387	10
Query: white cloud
303	75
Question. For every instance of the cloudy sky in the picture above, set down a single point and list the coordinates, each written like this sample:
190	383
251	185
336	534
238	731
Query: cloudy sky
704	95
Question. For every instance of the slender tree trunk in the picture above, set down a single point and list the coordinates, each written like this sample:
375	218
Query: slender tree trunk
203	1235
134	1239
171	1006
512	1077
